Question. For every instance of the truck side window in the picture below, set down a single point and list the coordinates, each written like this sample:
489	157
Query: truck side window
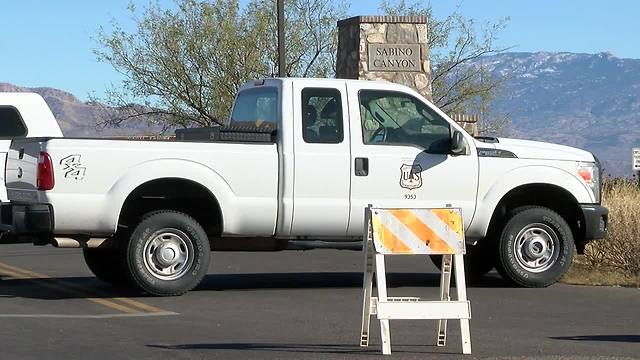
11	124
256	107
395	118
322	116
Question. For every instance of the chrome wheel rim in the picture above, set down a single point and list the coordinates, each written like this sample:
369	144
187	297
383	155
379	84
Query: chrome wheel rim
536	248
168	254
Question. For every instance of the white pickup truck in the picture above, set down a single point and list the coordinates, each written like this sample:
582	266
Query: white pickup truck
295	168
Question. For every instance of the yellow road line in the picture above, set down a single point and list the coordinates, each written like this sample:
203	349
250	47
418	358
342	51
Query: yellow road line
59	285
13	275
85	316
20	273
24	272
112	305
139	305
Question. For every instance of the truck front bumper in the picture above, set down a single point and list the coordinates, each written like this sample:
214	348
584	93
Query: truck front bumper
26	219
596	221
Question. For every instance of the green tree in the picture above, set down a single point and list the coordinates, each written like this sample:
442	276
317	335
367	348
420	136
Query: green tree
460	81
311	36
182	66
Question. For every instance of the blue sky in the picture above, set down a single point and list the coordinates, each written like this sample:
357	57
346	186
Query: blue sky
49	43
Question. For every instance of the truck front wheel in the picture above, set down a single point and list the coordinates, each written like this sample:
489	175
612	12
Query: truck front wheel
167	253
535	247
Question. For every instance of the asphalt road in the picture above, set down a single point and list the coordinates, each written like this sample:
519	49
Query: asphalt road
292	305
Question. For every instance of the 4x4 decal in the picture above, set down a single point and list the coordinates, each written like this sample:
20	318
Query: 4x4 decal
72	167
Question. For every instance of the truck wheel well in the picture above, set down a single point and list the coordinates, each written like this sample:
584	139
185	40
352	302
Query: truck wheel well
177	194
547	195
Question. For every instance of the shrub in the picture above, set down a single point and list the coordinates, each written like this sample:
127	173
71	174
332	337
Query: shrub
621	249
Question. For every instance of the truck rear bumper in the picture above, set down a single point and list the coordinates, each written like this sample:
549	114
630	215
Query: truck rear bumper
596	221
26	219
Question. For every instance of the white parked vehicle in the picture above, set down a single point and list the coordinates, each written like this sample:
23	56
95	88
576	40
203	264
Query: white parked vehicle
23	115
295	169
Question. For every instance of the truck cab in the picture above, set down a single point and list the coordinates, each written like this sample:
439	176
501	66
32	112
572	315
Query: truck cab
347	144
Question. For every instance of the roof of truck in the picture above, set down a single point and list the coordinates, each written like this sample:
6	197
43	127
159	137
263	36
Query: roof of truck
323	79
7	97
309	82
33	111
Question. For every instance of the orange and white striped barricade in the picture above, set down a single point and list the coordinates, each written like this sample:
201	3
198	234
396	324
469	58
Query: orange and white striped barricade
415	232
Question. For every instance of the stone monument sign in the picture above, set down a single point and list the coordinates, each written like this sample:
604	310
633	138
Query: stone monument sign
392	48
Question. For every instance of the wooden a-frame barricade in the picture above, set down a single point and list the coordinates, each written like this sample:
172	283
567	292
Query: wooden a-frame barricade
400	232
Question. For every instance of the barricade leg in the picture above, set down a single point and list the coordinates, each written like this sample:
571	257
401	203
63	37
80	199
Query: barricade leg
367	288
461	289
445	284
381	284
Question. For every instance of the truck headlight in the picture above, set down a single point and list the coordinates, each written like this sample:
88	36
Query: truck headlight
589	172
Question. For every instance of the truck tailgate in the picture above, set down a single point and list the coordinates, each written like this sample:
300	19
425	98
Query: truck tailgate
21	175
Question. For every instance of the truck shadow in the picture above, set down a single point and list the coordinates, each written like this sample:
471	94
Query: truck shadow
610	338
83	287
345	349
314	280
60	288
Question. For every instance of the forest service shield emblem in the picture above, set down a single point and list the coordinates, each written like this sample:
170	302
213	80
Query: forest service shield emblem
410	176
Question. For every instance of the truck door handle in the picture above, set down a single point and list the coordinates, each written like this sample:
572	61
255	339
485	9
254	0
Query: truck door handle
362	166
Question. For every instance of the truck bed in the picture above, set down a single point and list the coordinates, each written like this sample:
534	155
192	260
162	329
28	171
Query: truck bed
92	178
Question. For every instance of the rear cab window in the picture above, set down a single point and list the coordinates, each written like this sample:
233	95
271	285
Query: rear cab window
11	124
256	107
322	116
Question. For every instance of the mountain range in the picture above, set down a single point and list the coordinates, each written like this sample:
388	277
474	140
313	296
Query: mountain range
590	101
80	119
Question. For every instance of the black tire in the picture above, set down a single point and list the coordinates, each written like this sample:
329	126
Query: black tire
529	233
478	260
107	265
167	253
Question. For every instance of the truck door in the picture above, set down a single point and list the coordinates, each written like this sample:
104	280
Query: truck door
401	158
322	159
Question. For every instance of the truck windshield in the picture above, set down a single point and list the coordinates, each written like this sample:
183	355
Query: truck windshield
395	118
256	107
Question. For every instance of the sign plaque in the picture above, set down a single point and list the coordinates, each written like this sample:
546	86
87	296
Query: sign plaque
394	57
636	159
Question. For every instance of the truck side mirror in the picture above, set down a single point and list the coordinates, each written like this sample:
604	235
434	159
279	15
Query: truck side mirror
458	145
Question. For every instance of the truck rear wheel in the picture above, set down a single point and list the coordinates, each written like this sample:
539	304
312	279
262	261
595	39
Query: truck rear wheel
535	247
167	253
106	265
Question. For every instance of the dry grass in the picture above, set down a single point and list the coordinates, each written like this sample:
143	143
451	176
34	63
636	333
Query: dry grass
580	274
616	259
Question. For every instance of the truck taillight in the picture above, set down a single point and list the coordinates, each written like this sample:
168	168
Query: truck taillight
46	180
